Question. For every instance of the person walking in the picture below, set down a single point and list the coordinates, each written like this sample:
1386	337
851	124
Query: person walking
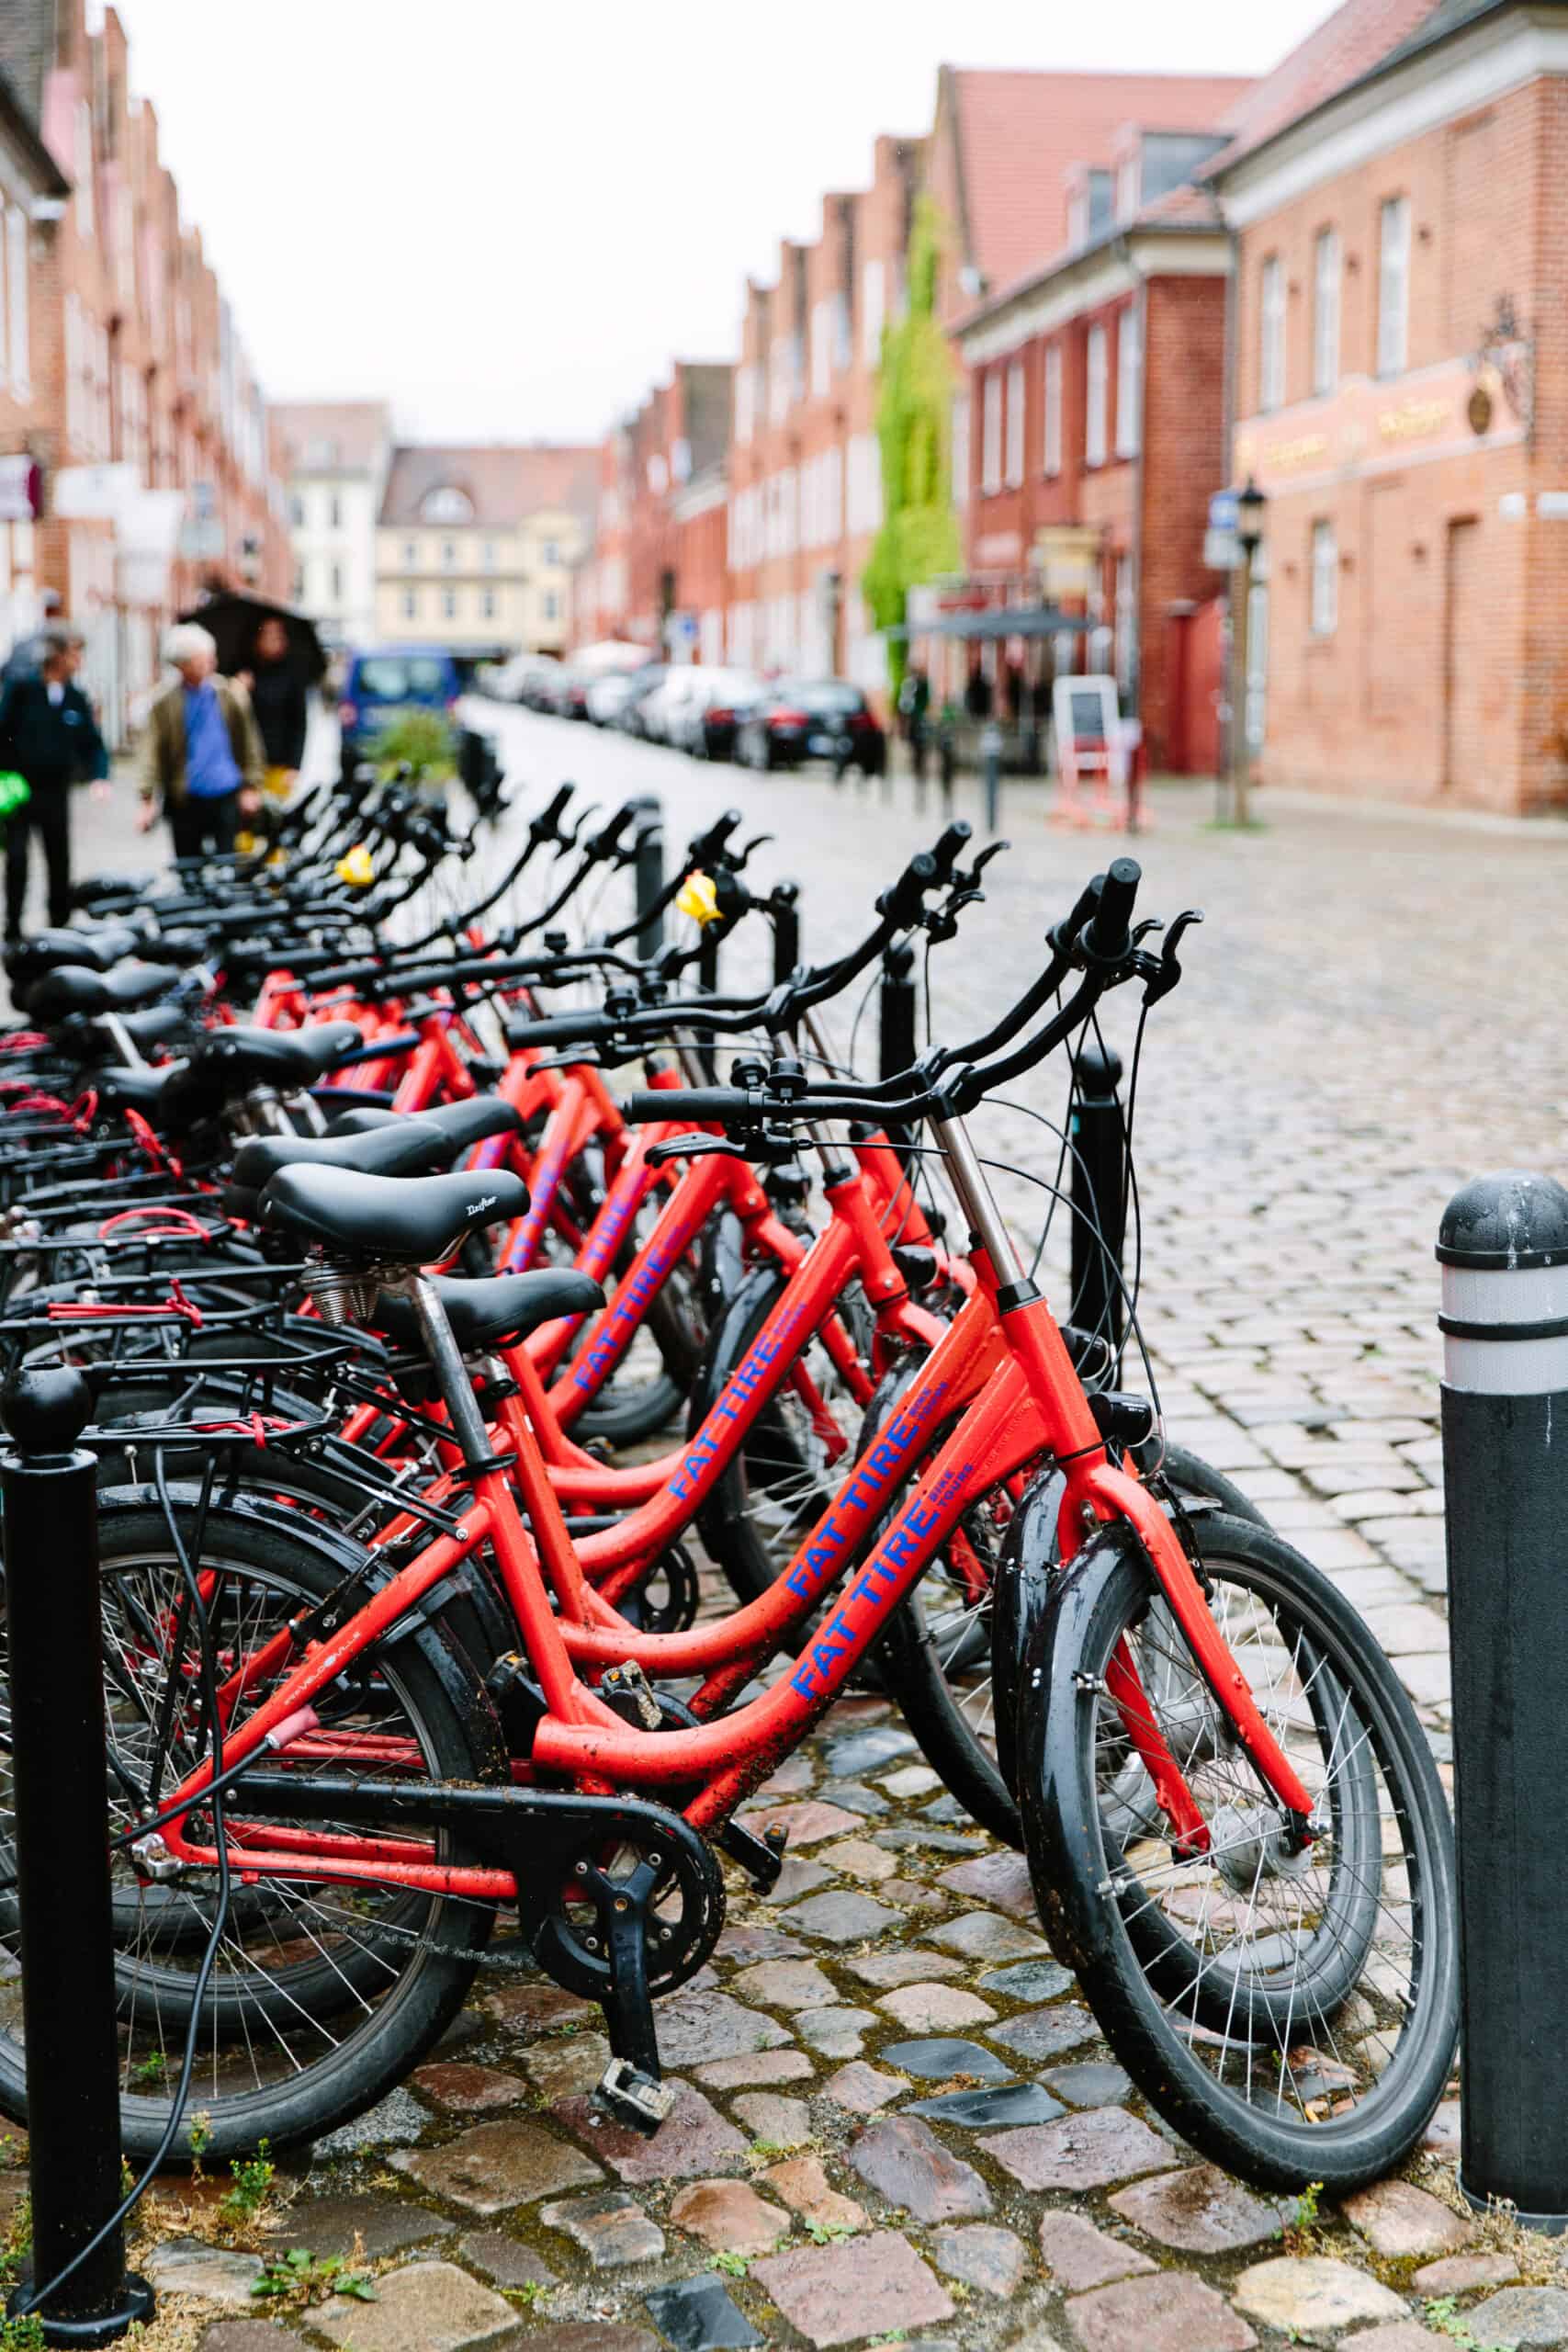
25	657
49	737
202	758
277	698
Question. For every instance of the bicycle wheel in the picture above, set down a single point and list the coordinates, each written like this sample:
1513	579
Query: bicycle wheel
323	1997
1339	1962
797	1452
952	1654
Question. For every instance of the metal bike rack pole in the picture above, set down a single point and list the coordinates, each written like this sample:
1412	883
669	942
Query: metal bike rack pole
896	1022
784	902
1502	1245
49	1490
1098	1136
991	773
648	867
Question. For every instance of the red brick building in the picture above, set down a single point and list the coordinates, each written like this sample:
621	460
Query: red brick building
1400	193
1092	395
134	362
656	576
806	474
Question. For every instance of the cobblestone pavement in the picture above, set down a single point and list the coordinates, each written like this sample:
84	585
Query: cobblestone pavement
895	2122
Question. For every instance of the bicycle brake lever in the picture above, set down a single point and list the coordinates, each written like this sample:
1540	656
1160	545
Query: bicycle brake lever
968	881
737	864
692	1146
1168	971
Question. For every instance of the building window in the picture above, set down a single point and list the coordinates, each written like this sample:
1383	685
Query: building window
1325	276
1015	424
821	350
337	583
991	434
450	555
298	583
83	169
1325	579
551	553
551	604
1053	409
1394	285
1094	400
410	554
297	512
17	273
873	311
449	604
960	429
1129	382
334	513
1272	335
1126	634
487	603
490	555
411	604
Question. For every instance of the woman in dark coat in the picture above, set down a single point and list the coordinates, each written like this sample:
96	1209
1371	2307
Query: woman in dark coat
277	699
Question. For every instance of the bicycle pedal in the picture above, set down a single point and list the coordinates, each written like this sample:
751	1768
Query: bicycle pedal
627	1690
762	1859
634	2098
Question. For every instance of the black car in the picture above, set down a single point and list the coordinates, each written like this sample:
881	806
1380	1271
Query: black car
799	719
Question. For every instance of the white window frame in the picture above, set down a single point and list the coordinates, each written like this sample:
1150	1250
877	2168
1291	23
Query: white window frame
1272	335
960	450
18	356
448	604
411	604
1015	424
1324	577
1327	279
1394	285
1052	452
991	433
821	350
1096	395
1129	381
873	311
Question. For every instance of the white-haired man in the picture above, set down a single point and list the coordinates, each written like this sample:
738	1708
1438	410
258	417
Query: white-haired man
201	752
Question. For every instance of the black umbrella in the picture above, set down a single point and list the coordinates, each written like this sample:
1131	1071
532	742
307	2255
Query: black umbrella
232	620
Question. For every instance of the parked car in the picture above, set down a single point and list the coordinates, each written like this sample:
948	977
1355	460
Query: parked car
382	685
799	719
645	681
663	711
608	696
510	680
707	720
535	689
564	693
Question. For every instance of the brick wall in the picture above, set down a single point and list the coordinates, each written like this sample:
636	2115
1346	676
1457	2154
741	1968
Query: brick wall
1446	674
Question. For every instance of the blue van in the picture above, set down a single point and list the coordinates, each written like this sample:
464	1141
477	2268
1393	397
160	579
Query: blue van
381	685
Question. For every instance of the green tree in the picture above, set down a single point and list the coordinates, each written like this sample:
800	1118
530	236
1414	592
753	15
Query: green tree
919	539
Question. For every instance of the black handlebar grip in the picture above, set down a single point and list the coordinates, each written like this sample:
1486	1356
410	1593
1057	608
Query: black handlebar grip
1107	935
561	1029
608	836
711	844
700	1104
947	849
901	905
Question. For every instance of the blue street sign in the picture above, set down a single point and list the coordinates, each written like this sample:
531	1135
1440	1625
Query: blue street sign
1224	511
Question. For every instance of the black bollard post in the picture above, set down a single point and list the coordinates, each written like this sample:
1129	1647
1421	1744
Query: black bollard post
947	764
991	773
1502	1245
648	869
49	1490
896	1024
1099	1139
783	904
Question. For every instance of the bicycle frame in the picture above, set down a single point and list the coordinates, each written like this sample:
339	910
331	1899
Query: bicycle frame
1003	1364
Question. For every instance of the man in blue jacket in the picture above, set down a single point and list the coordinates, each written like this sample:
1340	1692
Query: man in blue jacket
48	735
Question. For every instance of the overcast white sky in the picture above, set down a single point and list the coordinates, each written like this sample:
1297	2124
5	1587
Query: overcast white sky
508	215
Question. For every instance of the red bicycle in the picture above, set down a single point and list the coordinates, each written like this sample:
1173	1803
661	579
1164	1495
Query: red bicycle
1235	1827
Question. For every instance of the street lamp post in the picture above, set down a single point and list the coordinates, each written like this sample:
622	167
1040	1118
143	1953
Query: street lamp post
1250	504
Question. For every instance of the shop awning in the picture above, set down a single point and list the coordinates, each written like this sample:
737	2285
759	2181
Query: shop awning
996	621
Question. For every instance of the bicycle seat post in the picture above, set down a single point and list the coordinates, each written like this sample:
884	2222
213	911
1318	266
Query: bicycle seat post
451	1373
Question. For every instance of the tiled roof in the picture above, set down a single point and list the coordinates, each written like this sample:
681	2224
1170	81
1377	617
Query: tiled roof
506	482
1359	35
1021	133
360	429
